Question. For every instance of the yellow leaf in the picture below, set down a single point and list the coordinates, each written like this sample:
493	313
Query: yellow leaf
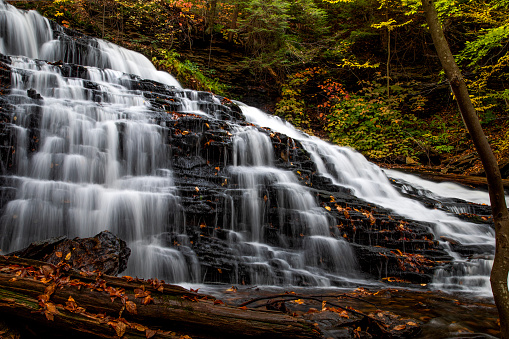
68	256
327	208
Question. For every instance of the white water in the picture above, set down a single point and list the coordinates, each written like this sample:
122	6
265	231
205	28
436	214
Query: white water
26	33
348	168
81	182
102	164
442	189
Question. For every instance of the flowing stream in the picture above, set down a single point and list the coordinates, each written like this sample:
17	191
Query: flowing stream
103	164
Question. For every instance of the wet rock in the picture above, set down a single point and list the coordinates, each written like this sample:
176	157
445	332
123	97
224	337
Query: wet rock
32	93
105	252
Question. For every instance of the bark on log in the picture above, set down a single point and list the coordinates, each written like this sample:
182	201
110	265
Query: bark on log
131	308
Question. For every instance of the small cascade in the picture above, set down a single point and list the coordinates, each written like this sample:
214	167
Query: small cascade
301	248
95	138
27	33
347	168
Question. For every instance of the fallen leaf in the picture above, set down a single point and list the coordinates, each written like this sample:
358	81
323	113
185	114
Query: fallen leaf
148	300
50	311
150	333
58	254
68	256
399	328
243	308
218	302
131	307
327	208
119	327
139	293
50	289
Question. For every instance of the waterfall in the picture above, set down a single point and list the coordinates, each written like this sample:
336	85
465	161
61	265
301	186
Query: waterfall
347	168
97	139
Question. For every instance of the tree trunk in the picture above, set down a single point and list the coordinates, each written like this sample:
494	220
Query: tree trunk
211	17
233	24
500	268
70	302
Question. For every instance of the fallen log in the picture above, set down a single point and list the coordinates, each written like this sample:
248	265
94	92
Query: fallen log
83	303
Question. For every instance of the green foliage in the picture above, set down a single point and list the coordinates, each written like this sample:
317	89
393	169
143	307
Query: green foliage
365	122
477	50
292	106
188	73
264	25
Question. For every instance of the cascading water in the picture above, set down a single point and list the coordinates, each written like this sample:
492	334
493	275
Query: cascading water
94	151
314	252
99	164
348	168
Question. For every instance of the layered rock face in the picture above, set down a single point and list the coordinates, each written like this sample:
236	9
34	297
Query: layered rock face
201	188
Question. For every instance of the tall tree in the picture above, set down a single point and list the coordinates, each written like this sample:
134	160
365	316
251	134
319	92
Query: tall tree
500	270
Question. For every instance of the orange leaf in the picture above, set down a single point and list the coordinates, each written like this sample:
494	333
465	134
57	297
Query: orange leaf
50	289
148	300
131	307
218	302
119	327
243	308
50	311
399	327
139	293
150	333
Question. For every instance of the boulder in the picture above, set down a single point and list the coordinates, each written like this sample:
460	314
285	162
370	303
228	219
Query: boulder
104	252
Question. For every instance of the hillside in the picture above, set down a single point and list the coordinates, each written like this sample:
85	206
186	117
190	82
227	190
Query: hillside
362	74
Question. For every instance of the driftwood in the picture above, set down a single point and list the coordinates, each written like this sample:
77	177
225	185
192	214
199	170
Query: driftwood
70	302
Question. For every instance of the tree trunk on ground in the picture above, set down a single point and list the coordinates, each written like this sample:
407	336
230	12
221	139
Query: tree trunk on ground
70	303
500	268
